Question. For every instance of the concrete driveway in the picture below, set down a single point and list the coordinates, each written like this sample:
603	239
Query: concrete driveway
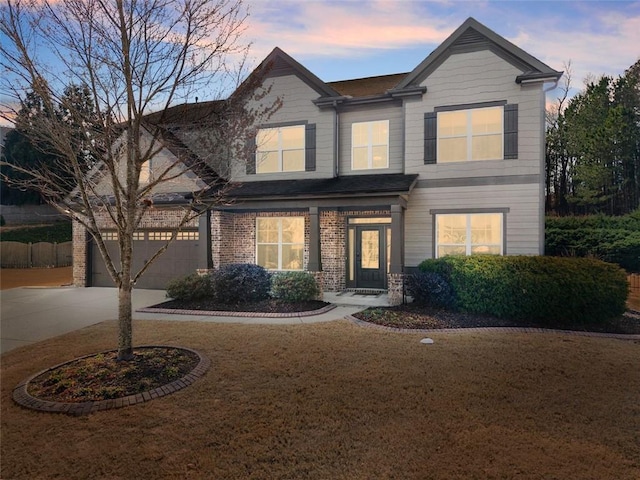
32	314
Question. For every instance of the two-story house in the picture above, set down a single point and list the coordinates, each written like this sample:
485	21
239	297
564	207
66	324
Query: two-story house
358	181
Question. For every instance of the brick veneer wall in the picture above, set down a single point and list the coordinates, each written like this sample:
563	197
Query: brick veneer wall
233	238
153	218
333	245
332	250
79	238
395	290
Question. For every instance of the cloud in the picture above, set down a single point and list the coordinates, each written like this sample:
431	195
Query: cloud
609	48
598	37
344	29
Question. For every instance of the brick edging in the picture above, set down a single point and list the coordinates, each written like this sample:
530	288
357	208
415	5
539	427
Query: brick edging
619	336
23	398
222	313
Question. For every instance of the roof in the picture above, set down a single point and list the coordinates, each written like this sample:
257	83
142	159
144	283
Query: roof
188	113
363	87
395	183
472	34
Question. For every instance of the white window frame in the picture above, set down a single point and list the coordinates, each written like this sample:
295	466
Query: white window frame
278	131
469	135
369	144
280	242
468	244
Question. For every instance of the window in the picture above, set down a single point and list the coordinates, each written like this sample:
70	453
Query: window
484	131
109	236
280	149
474	134
166	235
469	234
145	173
280	243
370	145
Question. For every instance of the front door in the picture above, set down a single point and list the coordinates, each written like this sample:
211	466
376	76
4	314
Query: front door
370	259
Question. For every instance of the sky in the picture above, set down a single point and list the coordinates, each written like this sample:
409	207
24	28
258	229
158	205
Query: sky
354	39
348	39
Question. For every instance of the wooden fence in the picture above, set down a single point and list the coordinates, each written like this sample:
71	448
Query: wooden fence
42	254
634	281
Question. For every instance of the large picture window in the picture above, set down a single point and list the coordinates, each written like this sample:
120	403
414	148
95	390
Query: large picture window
469	234
280	243
370	145
473	134
280	149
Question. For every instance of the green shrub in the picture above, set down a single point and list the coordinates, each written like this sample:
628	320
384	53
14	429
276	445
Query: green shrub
240	282
2	222
430	288
548	290
611	239
59	232
191	287
294	286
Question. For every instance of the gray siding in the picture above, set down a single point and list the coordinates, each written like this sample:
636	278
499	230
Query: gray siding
297	106
468	78
370	114
521	226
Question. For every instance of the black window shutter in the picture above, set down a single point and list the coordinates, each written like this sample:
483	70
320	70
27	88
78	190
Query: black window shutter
430	137
511	131
250	149
310	147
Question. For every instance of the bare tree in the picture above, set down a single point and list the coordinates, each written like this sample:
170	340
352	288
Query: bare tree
559	163
135	58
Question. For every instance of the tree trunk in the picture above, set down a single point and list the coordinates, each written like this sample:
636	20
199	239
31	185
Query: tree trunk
125	348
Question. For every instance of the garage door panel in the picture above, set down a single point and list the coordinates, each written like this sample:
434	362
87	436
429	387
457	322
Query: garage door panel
180	258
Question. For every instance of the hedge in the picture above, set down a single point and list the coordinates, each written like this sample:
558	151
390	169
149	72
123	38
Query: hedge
294	286
548	290
611	239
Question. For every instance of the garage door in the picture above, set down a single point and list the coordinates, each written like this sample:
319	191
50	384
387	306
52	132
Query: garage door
181	258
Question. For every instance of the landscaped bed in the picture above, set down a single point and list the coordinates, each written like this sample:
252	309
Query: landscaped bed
423	317
409	316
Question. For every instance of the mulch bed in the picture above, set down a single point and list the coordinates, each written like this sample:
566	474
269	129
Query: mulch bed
422	317
264	306
102	377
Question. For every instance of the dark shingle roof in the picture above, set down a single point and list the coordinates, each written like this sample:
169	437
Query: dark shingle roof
188	113
349	185
365	87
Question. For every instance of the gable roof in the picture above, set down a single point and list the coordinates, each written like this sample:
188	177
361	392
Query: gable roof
471	36
184	155
188	113
278	64
363	87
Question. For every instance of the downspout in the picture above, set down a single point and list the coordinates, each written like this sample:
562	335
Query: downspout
336	143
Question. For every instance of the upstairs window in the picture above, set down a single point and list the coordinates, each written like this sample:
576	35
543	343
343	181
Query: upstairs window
145	173
488	131
370	145
474	134
280	149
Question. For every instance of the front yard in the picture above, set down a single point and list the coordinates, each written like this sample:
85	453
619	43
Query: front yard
342	402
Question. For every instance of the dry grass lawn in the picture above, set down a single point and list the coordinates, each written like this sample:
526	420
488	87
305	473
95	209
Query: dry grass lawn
337	401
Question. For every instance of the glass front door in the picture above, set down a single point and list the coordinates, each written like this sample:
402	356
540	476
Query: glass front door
369	256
